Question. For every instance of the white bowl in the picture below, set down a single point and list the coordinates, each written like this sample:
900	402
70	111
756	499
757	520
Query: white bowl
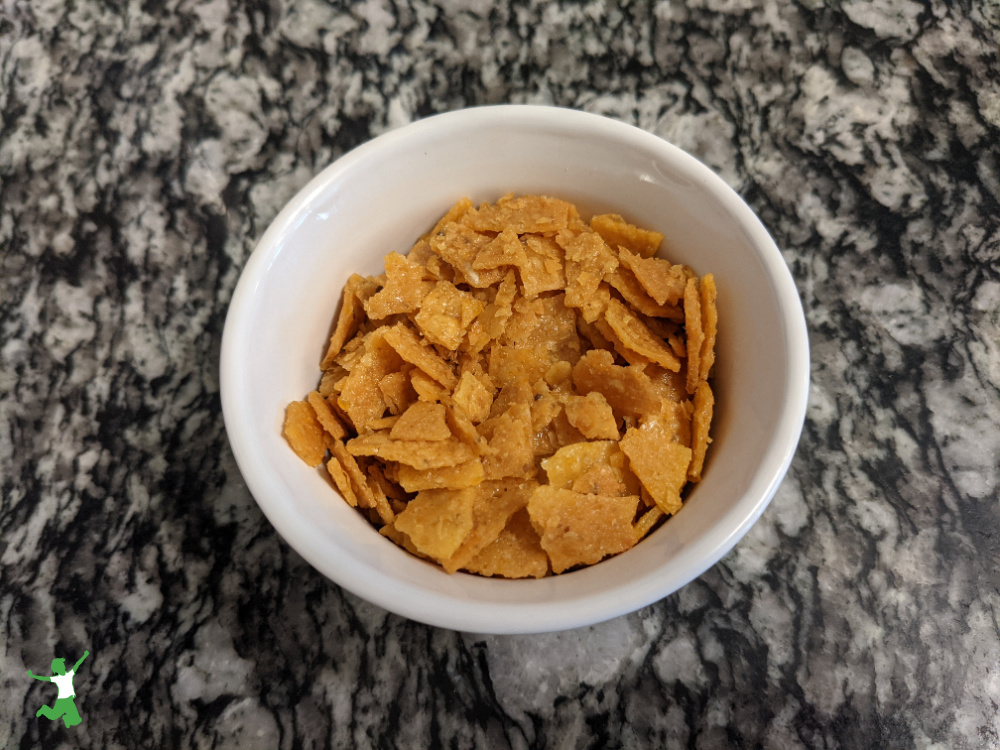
381	197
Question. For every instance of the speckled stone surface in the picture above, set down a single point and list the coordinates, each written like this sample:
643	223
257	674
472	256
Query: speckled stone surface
145	146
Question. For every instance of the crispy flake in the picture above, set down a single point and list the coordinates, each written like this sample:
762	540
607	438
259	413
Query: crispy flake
361	397
516	553
409	347
304	433
342	481
592	416
661	465
472	397
618	232
420	454
495	503
437	521
459	476
404	290
579	529
331	424
625	283
529	213
637	337
710	321
695	333
446	314
422	421
629	391
661	280
701	420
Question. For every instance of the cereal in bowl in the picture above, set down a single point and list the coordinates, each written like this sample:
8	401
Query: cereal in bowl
522	394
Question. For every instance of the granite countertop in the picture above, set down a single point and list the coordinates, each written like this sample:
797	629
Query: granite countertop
145	146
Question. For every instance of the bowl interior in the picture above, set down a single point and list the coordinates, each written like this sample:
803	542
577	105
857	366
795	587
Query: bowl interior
380	198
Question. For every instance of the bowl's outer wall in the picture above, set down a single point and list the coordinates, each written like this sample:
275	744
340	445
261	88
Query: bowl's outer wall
380	198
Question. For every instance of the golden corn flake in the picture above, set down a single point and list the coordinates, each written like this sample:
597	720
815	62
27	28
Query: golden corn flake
619	233
695	333
437	521
457	477
661	465
472	397
570	461
634	334
529	213
361	397
330	423
628	390
304	433
515	553
409	347
704	402
342	481
446	314
404	290
710	322
592	416
577	529
495	503
422	421
420	454
663	281
515	337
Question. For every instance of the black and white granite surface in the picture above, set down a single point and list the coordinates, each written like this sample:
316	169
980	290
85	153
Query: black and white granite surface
145	146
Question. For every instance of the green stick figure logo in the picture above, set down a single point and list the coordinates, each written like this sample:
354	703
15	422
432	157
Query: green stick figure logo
64	705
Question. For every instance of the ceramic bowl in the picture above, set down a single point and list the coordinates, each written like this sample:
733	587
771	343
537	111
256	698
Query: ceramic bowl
381	197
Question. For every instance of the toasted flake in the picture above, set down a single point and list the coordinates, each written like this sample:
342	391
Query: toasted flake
710	322
618	232
701	420
474	398
569	462
510	442
495	503
389	531
625	283
544	269
663	281
516	553
695	333
599	480
331	424
342	481
420	454
385	423
409	347
660	464
505	250
446	313
592	416
588	261
529	213
361	397
629	391
304	433
382	507
577	529
397	392
356	291
426	387
404	290
648	520
637	337
422	421
558	373
364	494
459	476
458	246
455	213
437	521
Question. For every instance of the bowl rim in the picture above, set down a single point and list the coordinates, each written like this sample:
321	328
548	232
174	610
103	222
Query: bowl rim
442	610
